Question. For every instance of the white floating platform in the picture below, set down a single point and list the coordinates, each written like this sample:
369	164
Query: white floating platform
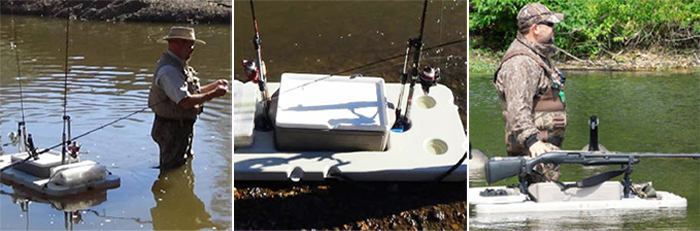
50	178
435	142
518	204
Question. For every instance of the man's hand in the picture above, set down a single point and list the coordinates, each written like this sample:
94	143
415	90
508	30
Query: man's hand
220	90
538	148
222	82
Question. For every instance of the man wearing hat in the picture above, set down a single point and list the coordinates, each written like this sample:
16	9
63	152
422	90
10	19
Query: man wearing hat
176	98
531	89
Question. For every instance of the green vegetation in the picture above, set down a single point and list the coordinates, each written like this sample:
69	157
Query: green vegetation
594	28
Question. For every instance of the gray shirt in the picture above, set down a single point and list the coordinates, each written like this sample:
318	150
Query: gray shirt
172	81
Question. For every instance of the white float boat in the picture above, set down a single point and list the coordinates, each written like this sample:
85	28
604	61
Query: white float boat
49	173
340	126
588	199
47	176
594	193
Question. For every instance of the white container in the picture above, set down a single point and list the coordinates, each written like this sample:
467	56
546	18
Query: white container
245	99
550	192
319	112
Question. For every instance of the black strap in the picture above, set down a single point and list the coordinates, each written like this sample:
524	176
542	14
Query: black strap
593	180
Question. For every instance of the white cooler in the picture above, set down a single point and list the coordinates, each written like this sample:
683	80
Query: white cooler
322	113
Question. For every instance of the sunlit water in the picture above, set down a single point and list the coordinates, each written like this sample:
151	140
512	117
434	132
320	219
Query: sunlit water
638	112
332	36
110	68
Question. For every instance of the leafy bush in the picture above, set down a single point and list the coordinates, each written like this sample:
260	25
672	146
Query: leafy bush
593	27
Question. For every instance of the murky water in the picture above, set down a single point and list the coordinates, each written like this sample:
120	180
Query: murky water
110	70
638	112
332	36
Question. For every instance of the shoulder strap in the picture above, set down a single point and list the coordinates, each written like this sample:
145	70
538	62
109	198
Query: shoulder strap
593	180
514	53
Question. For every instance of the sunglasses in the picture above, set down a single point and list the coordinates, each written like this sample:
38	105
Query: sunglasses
548	23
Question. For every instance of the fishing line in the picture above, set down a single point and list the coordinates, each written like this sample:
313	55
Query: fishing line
367	65
66	119
14	46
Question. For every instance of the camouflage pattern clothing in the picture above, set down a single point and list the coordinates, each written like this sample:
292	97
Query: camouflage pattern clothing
530	105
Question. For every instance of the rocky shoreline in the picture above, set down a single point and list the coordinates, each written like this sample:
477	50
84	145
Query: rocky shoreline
654	59
170	11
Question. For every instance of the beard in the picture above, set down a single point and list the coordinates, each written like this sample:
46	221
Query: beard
551	39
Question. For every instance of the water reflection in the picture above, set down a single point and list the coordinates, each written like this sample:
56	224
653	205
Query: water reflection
71	207
177	207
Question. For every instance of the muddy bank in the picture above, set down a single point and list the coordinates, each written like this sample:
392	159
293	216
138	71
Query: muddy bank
393	206
655	59
173	11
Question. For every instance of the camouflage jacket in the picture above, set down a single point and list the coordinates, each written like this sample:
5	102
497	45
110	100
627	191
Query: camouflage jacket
521	81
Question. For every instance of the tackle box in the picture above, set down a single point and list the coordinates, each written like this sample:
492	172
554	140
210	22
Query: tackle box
317	112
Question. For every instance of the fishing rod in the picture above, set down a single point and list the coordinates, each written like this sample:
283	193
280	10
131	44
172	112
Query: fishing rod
66	118
82	135
264	122
415	45
22	125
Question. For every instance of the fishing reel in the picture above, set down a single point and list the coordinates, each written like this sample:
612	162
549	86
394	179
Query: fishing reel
14	138
428	78
251	70
74	149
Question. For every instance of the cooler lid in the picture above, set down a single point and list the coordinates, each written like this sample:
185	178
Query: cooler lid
324	102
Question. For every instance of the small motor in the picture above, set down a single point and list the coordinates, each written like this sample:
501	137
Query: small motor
429	77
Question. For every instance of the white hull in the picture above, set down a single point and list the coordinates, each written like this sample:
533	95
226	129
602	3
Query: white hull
518	204
48	187
435	143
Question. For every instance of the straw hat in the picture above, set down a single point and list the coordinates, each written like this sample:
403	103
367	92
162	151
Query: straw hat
186	33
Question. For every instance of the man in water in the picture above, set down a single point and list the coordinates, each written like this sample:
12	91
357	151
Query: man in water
177	99
531	89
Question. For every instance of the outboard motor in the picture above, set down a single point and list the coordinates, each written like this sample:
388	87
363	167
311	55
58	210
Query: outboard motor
429	78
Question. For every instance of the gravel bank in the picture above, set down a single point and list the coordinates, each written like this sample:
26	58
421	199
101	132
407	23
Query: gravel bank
173	11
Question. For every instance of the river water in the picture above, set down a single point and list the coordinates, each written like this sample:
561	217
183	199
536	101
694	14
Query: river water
638	112
110	70
328	37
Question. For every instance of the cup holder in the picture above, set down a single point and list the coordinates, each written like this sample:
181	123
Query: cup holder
426	102
435	146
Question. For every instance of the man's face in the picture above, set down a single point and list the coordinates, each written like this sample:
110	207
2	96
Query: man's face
545	32
184	47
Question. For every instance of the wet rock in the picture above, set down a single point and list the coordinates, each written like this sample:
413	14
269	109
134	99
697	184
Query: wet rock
438	207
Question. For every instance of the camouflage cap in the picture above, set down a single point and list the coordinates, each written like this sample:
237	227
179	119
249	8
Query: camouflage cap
534	13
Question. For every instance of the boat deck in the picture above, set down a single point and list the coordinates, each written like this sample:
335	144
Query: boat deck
435	143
